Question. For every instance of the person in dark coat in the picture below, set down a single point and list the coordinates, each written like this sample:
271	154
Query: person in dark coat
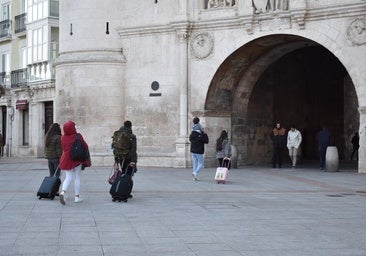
355	144
324	140
128	162
279	141
70	167
53	149
198	139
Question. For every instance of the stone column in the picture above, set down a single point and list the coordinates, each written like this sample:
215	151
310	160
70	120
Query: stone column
182	144
362	149
90	73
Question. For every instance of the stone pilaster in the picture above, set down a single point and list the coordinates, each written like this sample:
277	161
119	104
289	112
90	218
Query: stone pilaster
362	149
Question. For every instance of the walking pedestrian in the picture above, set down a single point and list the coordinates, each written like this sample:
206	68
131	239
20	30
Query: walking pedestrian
223	149
198	139
53	149
72	168
294	139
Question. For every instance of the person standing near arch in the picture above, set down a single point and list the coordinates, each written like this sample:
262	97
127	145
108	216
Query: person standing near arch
355	144
278	137
294	139
324	140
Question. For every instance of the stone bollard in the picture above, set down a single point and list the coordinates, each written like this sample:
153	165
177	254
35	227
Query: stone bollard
331	159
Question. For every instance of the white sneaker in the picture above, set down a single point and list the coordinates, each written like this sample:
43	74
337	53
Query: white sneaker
63	197
78	199
194	176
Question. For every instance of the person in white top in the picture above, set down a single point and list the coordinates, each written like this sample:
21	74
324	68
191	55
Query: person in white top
294	139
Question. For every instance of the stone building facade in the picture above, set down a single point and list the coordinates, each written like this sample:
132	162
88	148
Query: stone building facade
239	65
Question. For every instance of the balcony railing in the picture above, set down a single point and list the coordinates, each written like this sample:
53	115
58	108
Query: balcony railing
5	28
18	78
40	71
20	23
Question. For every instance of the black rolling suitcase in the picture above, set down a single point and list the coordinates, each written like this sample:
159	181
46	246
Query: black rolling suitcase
121	188
49	187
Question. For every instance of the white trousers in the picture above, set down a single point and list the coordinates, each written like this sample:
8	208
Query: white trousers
73	174
293	155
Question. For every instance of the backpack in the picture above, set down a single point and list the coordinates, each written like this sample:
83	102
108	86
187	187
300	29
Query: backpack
78	151
121	142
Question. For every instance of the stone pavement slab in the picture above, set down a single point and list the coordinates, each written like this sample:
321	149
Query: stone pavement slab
259	211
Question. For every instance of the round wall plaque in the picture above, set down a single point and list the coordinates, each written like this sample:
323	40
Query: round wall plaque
155	85
202	45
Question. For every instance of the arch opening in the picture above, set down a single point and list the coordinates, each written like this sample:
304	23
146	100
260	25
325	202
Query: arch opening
289	79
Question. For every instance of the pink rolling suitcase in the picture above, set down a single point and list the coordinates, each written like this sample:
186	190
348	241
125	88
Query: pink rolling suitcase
223	172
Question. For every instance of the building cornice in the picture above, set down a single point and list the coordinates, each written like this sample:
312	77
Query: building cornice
111	56
302	15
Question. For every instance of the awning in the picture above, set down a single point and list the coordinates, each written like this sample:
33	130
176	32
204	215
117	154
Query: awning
21	104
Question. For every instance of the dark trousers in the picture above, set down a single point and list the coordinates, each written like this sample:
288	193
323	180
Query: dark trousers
277	156
52	166
355	151
322	153
126	168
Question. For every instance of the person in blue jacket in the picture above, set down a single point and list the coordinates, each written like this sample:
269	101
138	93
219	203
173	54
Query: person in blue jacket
324	140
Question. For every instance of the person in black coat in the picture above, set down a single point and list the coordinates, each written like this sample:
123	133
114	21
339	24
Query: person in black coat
355	144
198	139
279	140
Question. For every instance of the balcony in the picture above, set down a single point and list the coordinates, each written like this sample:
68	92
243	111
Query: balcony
5	29
40	71
20	23
18	78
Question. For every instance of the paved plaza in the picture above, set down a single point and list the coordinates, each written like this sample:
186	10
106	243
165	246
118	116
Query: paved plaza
260	211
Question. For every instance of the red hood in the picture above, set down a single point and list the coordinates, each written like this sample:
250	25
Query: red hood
69	128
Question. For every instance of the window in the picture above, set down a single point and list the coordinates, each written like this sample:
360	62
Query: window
5	62
23	57
6	11
37	9
38	45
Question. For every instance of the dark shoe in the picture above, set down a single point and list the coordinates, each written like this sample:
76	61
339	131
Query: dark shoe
57	194
130	196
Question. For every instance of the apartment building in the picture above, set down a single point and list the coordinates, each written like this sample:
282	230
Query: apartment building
29	35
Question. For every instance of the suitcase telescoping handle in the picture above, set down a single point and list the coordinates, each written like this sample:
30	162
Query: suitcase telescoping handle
226	162
57	170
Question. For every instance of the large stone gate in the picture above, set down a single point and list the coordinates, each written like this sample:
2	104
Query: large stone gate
238	65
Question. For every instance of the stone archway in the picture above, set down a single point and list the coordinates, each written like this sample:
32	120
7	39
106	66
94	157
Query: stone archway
287	78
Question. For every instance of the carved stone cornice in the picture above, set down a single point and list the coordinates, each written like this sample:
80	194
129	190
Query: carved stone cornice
238	19
91	56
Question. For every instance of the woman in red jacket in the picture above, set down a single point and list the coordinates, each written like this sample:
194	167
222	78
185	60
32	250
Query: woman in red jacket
70	167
